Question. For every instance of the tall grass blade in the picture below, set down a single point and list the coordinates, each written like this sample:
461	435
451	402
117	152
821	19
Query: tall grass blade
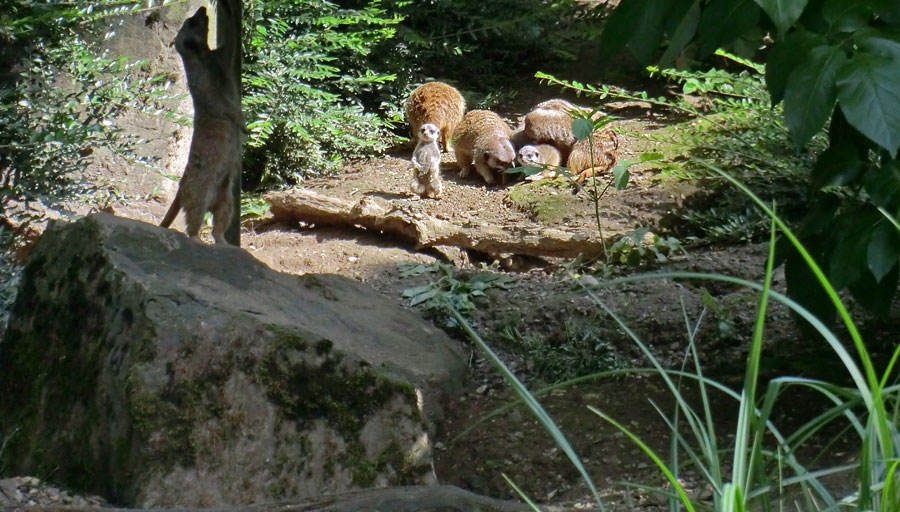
521	493
871	393
749	432
646	449
530	401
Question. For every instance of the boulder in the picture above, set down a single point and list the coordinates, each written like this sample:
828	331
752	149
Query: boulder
158	371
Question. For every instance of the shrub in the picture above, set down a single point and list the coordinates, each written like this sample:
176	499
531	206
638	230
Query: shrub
63	97
305	70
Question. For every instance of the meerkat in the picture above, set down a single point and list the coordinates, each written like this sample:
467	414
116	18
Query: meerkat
557	104
519	139
605	154
546	126
550	122
426	160
214	160
439	104
482	140
541	155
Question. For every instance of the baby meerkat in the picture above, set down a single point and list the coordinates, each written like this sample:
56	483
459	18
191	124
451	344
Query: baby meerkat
605	154
436	103
549	126
482	140
550	122
426	160
538	156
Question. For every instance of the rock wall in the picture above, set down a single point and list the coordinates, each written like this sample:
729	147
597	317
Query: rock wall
157	371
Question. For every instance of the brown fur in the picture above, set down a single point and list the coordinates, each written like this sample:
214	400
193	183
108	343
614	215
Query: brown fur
436	103
214	161
550	122
556	104
605	155
482	140
519	139
545	126
542	155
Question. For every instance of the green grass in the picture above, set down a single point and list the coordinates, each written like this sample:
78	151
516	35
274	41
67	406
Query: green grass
766	471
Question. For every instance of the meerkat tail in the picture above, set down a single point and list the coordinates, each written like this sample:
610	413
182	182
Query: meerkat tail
173	211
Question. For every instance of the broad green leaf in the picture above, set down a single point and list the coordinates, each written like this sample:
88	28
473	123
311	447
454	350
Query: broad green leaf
876	296
621	176
682	35
883	252
837	165
868	89
650	157
844	16
647	33
582	128
811	92
783	12
852	232
885	43
723	21
883	186
785	57
619	27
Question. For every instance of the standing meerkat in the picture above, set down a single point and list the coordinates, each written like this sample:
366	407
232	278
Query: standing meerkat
605	154
436	103
214	160
426	160
482	140
541	155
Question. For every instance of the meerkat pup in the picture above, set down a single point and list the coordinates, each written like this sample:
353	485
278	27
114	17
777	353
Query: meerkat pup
482	141
436	103
550	122
541	155
605	144
426	160
550	126
214	160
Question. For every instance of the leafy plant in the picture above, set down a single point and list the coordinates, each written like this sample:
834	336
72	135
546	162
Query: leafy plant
460	290
63	98
730	122
633	248
579	350
765	461
485	41
833	65
305	67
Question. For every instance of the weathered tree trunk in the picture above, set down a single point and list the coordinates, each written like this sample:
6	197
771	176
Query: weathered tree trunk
425	231
233	233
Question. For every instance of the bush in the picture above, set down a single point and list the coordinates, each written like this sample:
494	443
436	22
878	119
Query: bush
62	98
306	69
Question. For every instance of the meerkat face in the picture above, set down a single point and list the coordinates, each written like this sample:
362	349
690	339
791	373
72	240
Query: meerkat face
429	132
502	157
529	155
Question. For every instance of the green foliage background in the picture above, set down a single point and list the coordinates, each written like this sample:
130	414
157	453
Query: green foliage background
306	72
834	65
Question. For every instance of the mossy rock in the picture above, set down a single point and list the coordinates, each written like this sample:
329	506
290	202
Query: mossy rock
549	201
137	360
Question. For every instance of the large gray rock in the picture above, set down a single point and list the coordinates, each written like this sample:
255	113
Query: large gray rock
158	371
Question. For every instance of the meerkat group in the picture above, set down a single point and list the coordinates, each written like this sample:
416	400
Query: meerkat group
482	140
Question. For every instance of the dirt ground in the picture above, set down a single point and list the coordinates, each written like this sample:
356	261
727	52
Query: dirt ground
543	309
543	302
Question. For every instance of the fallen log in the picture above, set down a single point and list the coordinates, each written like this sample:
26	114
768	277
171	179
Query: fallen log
426	231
